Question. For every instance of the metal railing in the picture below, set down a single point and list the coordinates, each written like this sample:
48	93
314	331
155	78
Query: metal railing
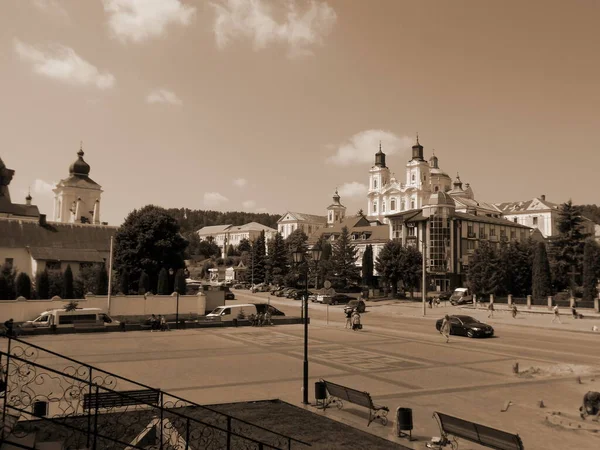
182	423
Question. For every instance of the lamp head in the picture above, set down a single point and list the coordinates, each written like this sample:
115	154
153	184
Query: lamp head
298	255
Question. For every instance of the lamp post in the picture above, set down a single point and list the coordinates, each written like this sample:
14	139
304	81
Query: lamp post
177	304
300	256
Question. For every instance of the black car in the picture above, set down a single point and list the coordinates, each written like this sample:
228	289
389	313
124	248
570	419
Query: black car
444	296
340	298
359	305
229	295
467	326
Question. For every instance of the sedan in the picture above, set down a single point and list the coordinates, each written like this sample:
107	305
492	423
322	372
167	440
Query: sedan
340	298
467	326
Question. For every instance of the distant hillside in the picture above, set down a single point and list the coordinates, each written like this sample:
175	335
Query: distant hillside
592	212
197	219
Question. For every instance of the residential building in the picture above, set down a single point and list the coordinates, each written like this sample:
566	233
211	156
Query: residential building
309	223
388	196
25	211
450	237
225	235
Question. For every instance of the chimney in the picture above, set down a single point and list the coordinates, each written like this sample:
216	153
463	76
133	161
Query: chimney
543	197
42	220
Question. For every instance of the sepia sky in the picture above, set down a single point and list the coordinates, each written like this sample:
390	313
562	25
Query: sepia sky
269	105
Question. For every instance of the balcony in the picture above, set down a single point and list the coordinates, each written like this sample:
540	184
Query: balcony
483	236
471	235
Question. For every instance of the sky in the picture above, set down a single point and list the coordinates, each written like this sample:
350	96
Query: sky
270	105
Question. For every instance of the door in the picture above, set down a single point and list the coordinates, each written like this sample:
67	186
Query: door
455	326
226	315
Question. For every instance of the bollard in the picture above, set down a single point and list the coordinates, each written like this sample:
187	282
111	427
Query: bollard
509	299
549	302
529	302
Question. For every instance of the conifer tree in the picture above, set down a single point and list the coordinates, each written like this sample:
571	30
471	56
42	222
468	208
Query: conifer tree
163	282
180	283
541	282
485	276
42	285
367	266
388	264
8	276
343	259
144	283
124	281
258	259
67	288
591	269
277	259
23	285
101	281
230	251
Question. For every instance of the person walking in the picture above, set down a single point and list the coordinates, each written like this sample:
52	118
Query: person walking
556	314
445	328
9	324
356	321
491	310
514	311
348	313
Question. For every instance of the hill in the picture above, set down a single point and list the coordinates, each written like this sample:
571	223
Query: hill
194	219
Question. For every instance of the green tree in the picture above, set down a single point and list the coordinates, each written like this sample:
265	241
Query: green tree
485	275
56	283
230	250
541	281
389	264
367	266
277	259
144	283
514	272
244	246
124	281
412	268
101	284
567	247
180	283
163	282
8	277
325	266
591	269
23	287
149	240
42	285
258	260
343	258
67	288
296	241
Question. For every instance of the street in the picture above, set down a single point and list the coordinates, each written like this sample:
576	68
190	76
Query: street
398	357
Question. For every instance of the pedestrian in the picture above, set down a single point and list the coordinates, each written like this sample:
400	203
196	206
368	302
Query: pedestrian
556	314
445	328
164	326
514	311
430	301
9	324
491	310
268	317
153	323
348	318
574	312
356	325
260	319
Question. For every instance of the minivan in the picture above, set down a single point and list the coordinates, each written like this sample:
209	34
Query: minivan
64	318
461	296
228	313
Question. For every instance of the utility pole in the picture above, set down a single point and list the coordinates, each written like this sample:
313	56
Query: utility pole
424	269
110	275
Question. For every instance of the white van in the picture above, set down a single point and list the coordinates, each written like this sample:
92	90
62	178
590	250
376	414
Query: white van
461	296
229	312
63	318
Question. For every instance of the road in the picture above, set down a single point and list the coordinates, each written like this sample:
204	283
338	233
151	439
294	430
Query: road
398	357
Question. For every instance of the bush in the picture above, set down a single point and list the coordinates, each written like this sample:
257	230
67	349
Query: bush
24	286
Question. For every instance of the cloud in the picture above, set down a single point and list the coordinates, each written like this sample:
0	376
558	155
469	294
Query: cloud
353	189
240	182
62	63
51	7
163	96
139	20
214	199
255	20
249	204
361	147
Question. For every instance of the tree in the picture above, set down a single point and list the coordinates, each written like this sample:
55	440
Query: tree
485	274
343	259
144	283
8	276
257	264
514	268
101	280
230	251
244	246
124	281
23	286
389	264
567	247
163	282
296	241
71	306
56	283
180	283
412	268
42	285
277	259
360	213
591	269
149	240
367	266
541	282
67	288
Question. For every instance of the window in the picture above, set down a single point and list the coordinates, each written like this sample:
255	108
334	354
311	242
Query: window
374	207
471	245
412	231
515	220
492	231
402	206
412	204
513	234
383	206
437	188
470	230
535	220
393	205
412	177
53	265
374	183
8	262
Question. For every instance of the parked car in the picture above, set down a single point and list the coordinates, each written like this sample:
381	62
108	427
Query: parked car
291	293
461	296
229	295
334	299
444	296
355	304
467	326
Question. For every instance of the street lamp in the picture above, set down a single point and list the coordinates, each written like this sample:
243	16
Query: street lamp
299	256
177	292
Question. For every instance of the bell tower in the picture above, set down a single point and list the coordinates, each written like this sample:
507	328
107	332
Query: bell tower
336	212
379	177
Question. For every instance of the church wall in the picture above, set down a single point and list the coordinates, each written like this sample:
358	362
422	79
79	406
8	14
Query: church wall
66	197
20	256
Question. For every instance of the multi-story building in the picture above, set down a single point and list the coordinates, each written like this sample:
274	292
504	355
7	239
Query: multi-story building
292	221
225	235
450	237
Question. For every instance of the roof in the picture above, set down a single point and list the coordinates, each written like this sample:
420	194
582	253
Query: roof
13	209
213	229
78	181
417	216
535	204
354	225
470	203
304	217
253	226
57	240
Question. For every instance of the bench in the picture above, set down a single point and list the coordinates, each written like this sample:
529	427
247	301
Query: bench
338	394
479	434
119	399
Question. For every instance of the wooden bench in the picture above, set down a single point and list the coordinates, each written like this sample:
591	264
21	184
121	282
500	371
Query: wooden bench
479	434
119	399
337	394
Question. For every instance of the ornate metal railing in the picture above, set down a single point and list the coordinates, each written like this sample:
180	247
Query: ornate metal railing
70	390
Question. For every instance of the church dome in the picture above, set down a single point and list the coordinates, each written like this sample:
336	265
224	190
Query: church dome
80	167
440	198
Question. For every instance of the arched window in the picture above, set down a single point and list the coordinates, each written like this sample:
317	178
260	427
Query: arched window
413	177
412	204
402	205
374	183
383	206
374	207
437	188
393	204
